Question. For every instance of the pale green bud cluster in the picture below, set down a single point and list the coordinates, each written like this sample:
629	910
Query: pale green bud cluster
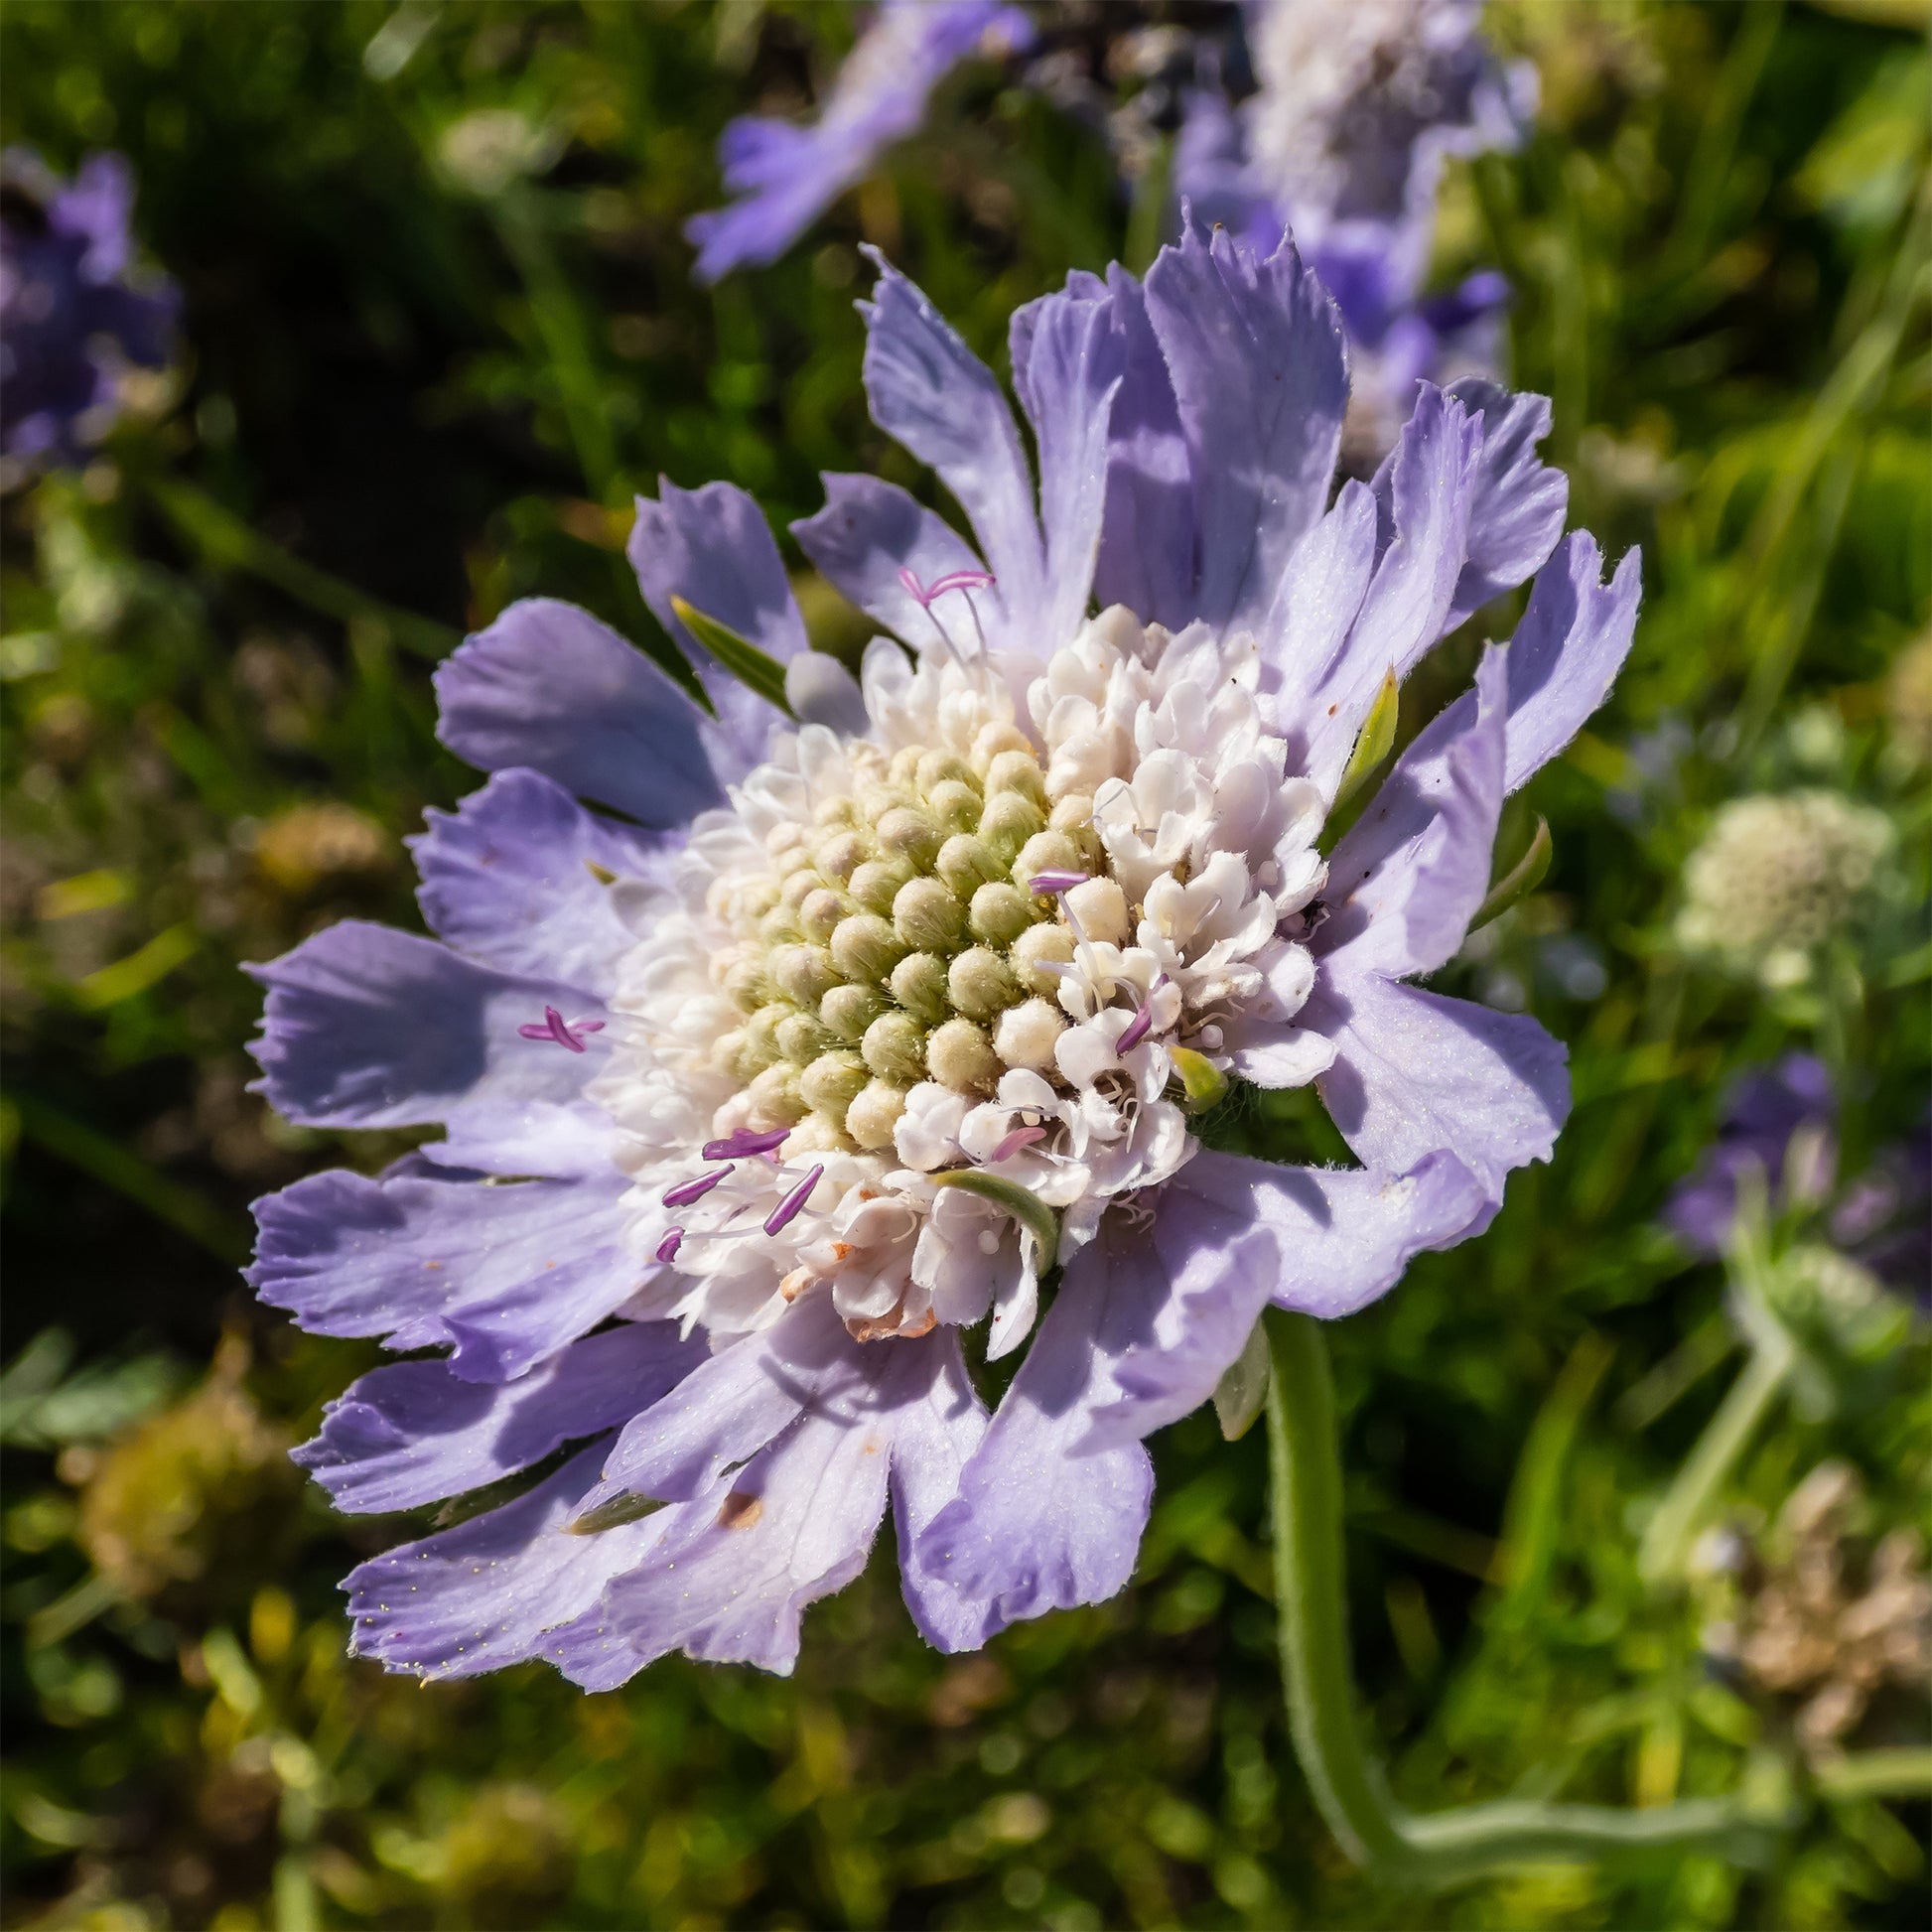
1776	876
895	940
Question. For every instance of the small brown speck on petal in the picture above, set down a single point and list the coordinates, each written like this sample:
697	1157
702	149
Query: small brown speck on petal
739	1511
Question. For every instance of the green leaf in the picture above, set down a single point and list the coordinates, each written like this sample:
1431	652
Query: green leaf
614	1514
1519	880
1372	747
1242	1391
1203	1081
1021	1204
756	670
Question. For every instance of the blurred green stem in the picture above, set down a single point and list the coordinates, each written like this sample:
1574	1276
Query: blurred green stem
224	540
1399	1851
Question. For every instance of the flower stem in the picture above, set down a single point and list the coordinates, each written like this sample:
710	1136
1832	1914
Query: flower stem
1402	1852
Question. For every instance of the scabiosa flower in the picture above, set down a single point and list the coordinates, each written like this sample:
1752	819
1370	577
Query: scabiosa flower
1775	876
71	316
887	1015
1357	109
785	177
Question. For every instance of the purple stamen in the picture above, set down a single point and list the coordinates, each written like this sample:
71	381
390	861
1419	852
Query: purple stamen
926	594
1135	1029
696	1188
667	1248
1047	884
563	1032
787	1210
1014	1142
742	1141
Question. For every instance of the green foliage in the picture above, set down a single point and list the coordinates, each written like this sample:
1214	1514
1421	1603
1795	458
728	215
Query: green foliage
439	328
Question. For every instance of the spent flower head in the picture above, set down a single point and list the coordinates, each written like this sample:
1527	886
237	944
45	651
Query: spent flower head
881	1012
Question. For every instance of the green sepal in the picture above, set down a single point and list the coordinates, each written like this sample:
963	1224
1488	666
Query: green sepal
614	1514
1241	1393
1372	747
756	670
1021	1204
1519	880
1203	1081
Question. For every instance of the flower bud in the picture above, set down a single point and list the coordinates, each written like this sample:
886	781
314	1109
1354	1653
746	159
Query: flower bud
774	1097
919	986
965	863
1000	912
799	884
785	836
907	834
762	1033
1071	814
836	813
833	1082
926	916
894	1049
1037	944
779	926
801	1039
960	1057
954	806
871	1118
817	1134
847	1011
995	739
1046	852
941	767
840	853
1027	1034
864	947
745	983
1010	819
1101	908
822	910
804	974
876	884
980	983
904	766
1016	772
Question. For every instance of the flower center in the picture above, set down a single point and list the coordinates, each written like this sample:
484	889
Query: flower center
909	933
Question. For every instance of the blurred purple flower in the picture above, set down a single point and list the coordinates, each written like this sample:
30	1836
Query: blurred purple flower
758	1358
784	177
70	318
1761	1114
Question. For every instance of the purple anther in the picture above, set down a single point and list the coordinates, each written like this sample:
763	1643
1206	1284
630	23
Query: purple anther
926	594
667	1248
563	1032
742	1141
1046	884
1014	1142
696	1188
787	1210
1136	1027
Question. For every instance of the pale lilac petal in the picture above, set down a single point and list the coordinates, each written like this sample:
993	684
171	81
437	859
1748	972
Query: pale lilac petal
1519	501
1410	872
1148	536
1416	1072
1036	1525
1567	651
526	1136
1067	363
931	393
821	691
423	1258
550	687
939	1421
1320	597
1422	553
367	1027
484	1593
1255	350
412	1433
712	548
868	533
507	880
731	1575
